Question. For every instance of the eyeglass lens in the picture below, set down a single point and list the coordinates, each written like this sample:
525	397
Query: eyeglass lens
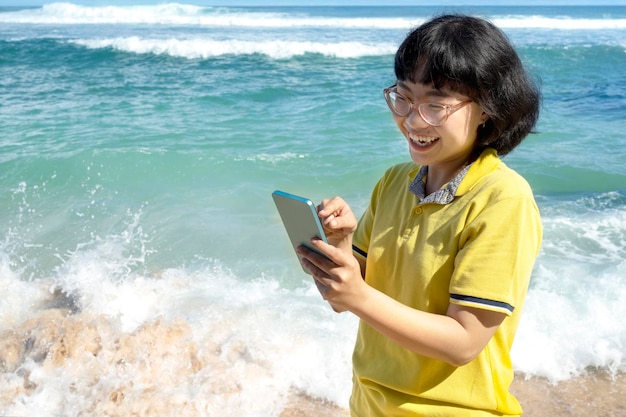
432	113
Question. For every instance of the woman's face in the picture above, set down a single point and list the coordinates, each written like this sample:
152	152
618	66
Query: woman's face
448	146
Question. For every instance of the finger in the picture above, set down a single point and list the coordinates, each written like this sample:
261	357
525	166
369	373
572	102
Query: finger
333	207
311	267
321	288
328	257
337	215
320	265
322	278
311	254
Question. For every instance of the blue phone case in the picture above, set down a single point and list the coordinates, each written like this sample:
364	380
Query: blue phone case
300	219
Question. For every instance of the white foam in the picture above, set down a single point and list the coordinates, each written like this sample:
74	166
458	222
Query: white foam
192	340
563	333
589	230
183	15
206	48
574	312
19	296
565	23
188	342
68	13
188	15
227	357
273	158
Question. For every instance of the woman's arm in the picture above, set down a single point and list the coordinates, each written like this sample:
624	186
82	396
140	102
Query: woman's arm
456	337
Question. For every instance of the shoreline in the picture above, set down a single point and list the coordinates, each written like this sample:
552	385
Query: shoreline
86	347
596	393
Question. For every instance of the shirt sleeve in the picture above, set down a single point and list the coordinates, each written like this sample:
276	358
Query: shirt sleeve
498	249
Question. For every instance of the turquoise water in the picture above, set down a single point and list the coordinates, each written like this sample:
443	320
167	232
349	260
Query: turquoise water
139	147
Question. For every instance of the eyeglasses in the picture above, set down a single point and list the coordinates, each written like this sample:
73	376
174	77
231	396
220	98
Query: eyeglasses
434	114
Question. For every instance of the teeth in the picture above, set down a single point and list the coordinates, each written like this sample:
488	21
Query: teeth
422	140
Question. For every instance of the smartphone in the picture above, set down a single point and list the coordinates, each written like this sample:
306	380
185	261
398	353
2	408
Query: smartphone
300	219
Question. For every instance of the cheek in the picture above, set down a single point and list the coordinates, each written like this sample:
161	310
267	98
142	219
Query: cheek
399	122
466	128
462	131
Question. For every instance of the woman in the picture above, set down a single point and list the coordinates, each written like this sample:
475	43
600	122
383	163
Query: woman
438	266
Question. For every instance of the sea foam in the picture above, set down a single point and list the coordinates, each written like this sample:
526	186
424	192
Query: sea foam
182	14
572	320
185	342
206	48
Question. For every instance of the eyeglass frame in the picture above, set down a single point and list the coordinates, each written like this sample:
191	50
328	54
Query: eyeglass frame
450	109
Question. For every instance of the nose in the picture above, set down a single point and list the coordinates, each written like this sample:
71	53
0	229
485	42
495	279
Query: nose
415	120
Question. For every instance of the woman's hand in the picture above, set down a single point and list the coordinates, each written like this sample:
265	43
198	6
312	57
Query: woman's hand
337	274
339	222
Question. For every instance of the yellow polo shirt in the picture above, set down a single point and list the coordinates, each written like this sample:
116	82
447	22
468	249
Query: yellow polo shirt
478	250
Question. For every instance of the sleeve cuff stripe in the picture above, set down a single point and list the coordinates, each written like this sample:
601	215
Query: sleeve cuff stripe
482	302
359	251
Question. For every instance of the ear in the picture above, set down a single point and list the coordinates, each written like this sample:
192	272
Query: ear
484	117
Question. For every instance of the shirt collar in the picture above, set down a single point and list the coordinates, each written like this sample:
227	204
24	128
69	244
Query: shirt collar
459	185
444	195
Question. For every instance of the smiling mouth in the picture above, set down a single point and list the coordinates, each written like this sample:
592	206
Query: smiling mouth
423	140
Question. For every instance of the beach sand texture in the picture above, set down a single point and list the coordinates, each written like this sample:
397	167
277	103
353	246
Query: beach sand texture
597	395
141	372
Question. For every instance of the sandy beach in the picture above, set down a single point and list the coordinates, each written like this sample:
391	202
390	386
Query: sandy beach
596	394
86	348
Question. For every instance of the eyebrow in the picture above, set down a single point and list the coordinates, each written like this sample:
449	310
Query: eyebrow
438	93
432	92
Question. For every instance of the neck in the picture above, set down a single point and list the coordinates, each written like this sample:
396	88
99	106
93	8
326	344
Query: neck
437	176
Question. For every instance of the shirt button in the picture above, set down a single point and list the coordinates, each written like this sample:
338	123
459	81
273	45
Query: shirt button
417	210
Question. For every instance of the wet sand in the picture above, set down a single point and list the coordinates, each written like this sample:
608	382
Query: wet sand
88	349
597	394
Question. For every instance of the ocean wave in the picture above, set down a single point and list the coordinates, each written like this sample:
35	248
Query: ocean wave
548	345
564	23
579	278
182	15
207	48
188	15
211	340
273	159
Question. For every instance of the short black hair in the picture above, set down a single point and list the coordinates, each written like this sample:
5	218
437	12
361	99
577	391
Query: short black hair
472	56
